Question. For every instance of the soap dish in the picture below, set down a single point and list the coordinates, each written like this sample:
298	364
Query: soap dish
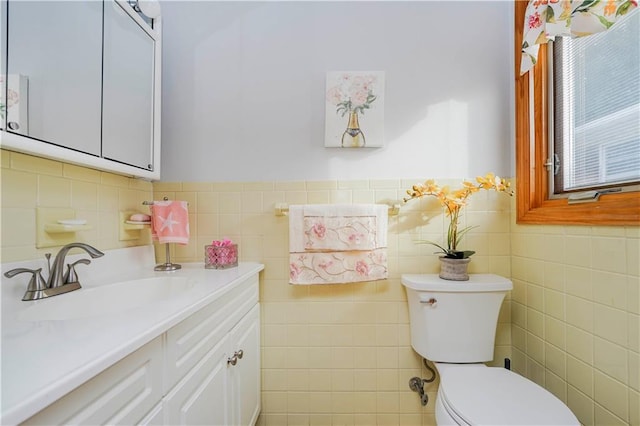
135	222
72	221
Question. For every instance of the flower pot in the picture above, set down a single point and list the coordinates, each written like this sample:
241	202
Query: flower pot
454	269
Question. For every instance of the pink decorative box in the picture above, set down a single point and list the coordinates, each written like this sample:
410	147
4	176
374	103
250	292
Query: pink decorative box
221	257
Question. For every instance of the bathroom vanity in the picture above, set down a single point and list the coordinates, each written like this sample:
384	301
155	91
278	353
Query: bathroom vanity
144	347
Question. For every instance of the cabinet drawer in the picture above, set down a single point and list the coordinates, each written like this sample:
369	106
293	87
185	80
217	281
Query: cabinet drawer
190	340
122	394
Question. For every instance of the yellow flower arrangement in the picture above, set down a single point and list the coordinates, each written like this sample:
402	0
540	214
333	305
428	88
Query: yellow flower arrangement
453	201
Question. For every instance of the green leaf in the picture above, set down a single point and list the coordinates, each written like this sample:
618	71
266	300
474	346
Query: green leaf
624	8
467	253
565	15
549	15
604	22
460	254
586	5
542	38
461	233
442	249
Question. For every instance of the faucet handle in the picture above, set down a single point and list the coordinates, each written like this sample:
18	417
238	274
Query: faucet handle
36	283
71	276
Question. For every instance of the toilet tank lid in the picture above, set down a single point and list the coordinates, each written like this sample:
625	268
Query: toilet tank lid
476	283
492	395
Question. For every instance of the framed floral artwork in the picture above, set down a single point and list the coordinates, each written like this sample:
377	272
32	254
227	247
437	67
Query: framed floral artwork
354	109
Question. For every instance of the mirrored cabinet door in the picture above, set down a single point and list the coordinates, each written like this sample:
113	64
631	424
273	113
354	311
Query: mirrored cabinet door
127	129
54	67
3	57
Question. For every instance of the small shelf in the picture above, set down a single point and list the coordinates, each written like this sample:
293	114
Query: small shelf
131	225
51	233
57	228
130	229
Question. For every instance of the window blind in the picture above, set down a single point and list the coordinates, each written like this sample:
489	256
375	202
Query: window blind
597	108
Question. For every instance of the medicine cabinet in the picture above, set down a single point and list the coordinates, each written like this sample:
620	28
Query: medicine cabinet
80	83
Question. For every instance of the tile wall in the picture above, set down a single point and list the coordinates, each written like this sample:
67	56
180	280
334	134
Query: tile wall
339	354
29	182
575	317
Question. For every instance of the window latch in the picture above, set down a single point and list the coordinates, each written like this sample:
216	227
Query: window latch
555	164
590	196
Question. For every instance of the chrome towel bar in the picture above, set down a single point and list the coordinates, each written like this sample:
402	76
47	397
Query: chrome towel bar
281	209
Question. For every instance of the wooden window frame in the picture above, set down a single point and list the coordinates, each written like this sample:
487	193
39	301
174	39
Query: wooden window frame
532	202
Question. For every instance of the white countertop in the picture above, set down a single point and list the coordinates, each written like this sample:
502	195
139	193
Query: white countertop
44	360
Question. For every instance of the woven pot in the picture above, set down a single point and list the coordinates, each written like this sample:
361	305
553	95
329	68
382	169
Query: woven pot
454	269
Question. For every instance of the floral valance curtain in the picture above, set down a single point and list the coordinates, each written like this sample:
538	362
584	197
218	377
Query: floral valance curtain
546	19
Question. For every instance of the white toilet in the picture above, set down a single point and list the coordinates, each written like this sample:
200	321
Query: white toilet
453	324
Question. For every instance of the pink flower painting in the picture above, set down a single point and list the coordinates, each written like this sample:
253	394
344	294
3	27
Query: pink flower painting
354	107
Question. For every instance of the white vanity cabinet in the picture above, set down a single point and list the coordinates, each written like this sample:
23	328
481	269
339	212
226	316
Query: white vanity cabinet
203	370
217	392
209	381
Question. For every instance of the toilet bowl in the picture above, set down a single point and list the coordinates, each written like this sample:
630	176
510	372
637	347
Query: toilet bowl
453	324
474	394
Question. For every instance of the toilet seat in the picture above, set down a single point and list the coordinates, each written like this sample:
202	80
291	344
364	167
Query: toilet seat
475	394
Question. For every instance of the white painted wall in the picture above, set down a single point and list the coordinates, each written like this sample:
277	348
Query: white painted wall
244	83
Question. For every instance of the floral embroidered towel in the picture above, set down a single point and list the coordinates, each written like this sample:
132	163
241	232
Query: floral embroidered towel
170	222
339	232
338	267
332	244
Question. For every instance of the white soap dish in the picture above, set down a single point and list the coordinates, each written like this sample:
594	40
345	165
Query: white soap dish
72	222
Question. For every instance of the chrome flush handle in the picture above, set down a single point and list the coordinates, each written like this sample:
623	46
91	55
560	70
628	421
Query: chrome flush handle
432	302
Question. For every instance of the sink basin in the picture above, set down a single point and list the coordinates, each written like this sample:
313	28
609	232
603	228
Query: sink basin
106	299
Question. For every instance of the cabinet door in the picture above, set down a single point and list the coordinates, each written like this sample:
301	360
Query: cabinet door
54	68
155	417
202	396
245	375
191	340
128	89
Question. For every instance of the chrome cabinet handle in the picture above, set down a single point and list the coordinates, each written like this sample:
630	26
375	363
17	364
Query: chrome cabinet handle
433	302
236	356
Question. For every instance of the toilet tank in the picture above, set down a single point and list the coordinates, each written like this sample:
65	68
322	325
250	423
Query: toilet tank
454	321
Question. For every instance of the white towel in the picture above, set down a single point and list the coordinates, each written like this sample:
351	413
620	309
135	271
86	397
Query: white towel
364	215
342	243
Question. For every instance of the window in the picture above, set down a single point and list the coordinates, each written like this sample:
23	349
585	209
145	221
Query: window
596	109
534	194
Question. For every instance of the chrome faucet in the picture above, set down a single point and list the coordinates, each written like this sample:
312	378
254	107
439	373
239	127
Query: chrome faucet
58	283
56	278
